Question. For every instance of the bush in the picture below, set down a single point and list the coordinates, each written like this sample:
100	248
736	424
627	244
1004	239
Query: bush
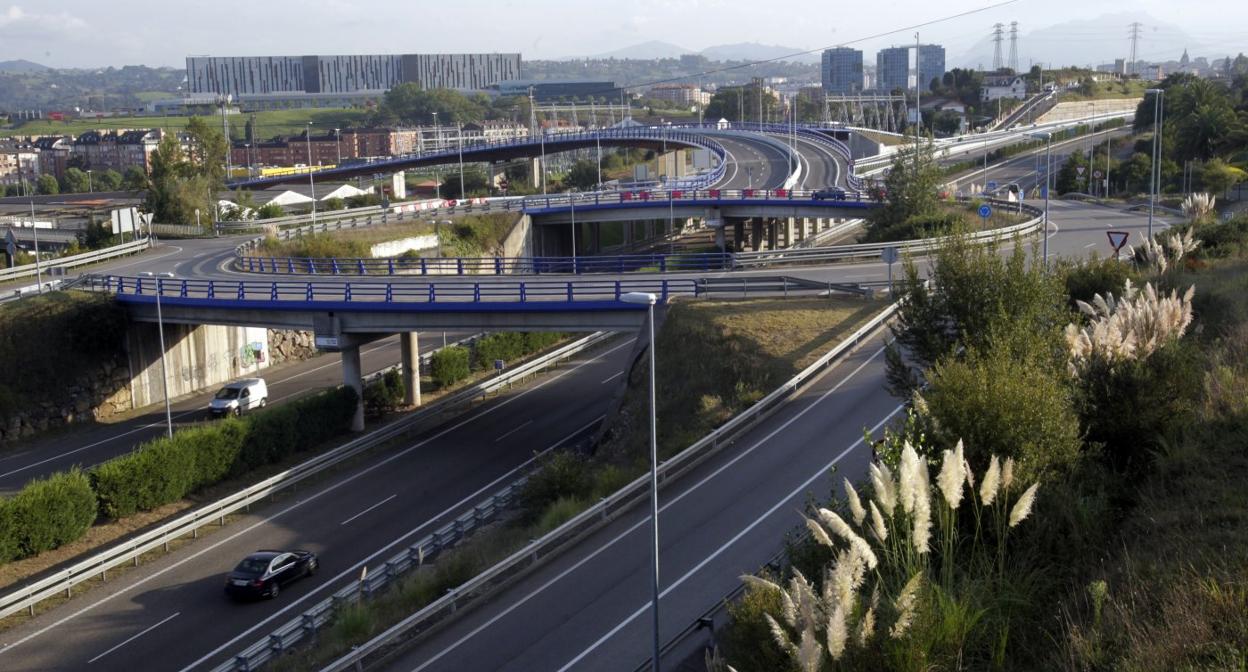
384	394
1094	276
510	346
1003	404
564	475
168	469
747	639
449	366
46	514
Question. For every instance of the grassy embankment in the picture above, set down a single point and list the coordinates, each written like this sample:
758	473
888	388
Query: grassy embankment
268	123
467	236
1111	90
757	344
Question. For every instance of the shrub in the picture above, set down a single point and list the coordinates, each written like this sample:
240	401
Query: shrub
563	475
559	512
1006	405
46	514
747	639
449	366
510	346
1094	276
384	394
167	469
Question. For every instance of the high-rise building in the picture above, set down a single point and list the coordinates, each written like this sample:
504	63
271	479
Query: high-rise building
842	70
931	65
892	69
243	76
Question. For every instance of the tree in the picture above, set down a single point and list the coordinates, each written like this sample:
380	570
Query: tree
74	181
741	103
474	183
1069	178
910	191
183	182
135	179
46	184
583	175
409	103
270	211
1218	177
107	180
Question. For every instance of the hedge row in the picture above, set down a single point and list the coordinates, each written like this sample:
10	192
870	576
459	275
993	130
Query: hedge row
45	514
510	345
50	512
449	366
168	469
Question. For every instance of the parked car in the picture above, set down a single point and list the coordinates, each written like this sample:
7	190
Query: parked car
833	194
240	396
263	573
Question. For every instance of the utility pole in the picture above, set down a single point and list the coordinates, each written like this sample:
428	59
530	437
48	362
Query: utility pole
1135	43
998	35
918	102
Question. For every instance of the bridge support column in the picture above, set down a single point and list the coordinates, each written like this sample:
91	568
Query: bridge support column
595	238
773	237
801	228
409	349
353	378
535	170
789	233
756	235
738	235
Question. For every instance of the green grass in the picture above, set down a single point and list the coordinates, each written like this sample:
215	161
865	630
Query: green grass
268	123
1132	88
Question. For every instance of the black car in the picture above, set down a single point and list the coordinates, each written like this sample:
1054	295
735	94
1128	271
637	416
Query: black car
263	573
833	194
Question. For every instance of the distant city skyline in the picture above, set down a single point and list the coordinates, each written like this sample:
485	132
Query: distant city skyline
78	33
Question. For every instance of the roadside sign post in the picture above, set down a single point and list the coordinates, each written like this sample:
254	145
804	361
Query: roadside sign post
10	246
1117	239
890	257
985	212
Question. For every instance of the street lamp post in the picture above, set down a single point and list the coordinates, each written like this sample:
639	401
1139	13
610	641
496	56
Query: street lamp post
311	181
34	231
648	300
90	185
1048	186
338	144
460	134
1159	109
160	326
572	203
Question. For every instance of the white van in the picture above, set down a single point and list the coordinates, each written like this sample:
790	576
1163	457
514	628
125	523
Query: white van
239	396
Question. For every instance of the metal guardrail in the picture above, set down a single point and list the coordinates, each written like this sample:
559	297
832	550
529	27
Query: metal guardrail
816	239
307	623
241	293
29	270
129	551
600	514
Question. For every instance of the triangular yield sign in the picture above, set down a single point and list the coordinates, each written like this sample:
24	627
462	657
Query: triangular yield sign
1117	239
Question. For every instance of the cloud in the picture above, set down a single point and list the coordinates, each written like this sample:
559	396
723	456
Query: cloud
18	24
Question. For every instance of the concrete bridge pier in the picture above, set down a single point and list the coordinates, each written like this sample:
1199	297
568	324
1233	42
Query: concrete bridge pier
352	377
409	350
738	235
756	234
773	231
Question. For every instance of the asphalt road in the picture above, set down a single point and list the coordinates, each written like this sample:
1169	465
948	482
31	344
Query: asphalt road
588	609
754	164
172	614
88	445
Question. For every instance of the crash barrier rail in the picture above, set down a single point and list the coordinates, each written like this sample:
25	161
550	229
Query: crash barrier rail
611	507
426	358
73	261
256	293
745	285
309	621
62	581
549	142
834	231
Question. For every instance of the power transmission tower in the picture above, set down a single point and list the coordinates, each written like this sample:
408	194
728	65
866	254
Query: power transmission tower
998	34
1014	46
1135	43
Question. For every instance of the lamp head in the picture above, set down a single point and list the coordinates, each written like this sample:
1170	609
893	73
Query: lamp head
639	298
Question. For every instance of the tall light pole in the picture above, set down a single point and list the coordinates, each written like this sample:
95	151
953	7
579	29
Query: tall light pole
572	202
460	134
648	300
90	184
338	144
1088	145
1048	170
160	326
311	181
34	230
543	130
1159	108
437	147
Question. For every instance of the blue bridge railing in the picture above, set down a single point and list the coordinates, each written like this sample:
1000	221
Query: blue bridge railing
467	266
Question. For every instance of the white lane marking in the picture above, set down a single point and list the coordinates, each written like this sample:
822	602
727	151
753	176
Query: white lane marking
368	509
353	568
822	472
607	380
1089	245
521	426
146	260
144	632
327	490
596	552
159	423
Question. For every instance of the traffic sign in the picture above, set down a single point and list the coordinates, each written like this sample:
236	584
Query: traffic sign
889	255
992	184
1117	239
1080	169
10	244
985	211
1097	174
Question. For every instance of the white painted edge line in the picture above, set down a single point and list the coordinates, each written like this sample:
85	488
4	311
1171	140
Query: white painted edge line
369	509
134	637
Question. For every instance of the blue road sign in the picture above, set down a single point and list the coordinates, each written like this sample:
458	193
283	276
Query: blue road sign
992	184
985	211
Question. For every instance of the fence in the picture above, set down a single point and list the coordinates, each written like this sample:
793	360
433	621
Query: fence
63	581
95	256
596	516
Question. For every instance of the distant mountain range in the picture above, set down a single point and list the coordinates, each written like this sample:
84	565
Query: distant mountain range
743	51
20	67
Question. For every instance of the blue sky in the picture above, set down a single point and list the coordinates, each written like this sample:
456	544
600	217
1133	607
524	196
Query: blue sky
84	33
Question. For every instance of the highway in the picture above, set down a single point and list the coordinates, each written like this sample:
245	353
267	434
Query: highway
356	518
89	444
